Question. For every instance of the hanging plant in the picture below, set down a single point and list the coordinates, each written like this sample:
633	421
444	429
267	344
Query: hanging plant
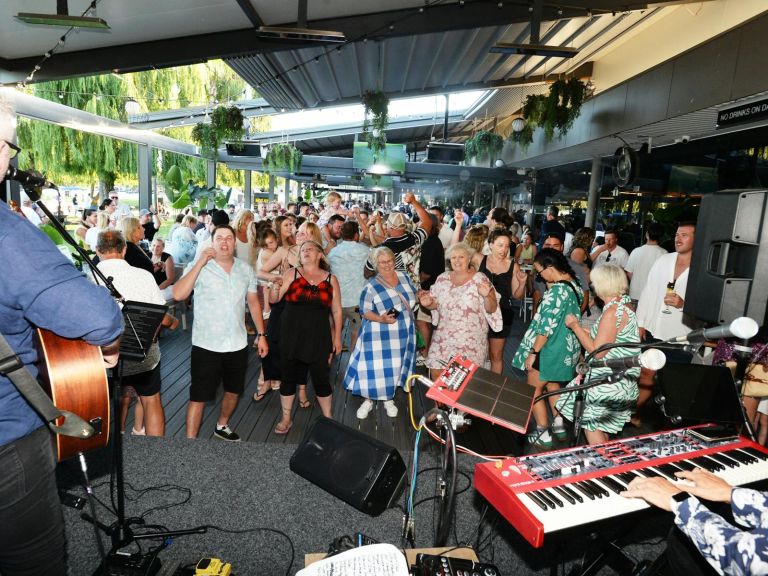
555	111
523	137
282	157
226	124
376	120
483	143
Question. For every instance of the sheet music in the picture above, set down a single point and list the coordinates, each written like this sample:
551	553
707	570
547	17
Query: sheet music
378	559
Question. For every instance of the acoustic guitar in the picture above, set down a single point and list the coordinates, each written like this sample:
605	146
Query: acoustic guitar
73	375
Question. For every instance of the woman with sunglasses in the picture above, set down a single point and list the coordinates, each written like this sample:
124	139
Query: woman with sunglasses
550	351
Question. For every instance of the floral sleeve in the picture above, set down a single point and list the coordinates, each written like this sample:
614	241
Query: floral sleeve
551	303
729	549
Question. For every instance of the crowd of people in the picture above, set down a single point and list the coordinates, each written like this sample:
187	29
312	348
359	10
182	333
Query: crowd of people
413	285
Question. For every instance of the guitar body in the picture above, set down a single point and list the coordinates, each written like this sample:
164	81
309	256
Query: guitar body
73	375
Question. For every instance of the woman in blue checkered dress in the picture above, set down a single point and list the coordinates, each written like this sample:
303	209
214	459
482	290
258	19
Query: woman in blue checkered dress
385	352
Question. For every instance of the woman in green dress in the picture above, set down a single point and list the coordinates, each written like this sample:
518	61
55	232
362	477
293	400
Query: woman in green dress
609	406
550	351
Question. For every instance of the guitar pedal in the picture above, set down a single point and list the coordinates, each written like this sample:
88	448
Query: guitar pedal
429	565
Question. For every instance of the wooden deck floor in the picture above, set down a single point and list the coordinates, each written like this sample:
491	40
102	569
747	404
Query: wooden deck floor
255	422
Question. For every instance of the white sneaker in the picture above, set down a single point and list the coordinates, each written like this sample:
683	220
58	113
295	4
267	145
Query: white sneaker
389	406
365	409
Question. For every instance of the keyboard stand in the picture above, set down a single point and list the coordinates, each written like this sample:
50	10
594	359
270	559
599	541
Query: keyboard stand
602	552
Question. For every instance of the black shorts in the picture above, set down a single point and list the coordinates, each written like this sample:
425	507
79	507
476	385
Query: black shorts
209	369
145	383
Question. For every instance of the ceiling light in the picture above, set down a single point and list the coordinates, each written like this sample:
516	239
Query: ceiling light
534	50
302	34
518	124
62	18
132	108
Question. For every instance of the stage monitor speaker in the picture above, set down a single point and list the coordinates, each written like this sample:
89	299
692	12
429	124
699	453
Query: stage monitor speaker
729	267
350	465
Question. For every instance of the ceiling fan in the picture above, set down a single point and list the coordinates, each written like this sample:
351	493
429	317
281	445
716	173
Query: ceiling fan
301	33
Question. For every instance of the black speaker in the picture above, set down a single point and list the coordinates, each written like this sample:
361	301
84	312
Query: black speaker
729	268
350	465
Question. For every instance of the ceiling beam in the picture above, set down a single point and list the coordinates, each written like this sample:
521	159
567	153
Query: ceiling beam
229	44
250	12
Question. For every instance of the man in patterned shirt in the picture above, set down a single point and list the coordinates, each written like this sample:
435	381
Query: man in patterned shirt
726	548
222	283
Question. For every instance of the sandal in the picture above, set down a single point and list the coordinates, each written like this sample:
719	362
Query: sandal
305	403
283	428
260	393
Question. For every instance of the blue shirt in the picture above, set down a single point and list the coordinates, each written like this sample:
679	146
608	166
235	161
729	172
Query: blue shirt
728	548
347	263
40	287
219	324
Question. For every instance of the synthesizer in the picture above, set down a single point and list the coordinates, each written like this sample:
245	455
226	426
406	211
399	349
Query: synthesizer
501	399
543	493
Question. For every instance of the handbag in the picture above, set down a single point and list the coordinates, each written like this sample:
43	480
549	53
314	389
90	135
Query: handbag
756	377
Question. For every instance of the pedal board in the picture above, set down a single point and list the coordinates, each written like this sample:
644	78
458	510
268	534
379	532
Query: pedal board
129	565
429	565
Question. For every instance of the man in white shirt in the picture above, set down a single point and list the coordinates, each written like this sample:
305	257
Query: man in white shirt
642	259
222	284
137	285
610	252
660	308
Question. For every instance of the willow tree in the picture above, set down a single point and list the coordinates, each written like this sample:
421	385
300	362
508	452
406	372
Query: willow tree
69	155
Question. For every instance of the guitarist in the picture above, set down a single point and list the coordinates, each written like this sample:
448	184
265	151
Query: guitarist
39	287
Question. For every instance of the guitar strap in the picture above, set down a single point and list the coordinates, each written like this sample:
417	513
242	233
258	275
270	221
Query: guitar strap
12	367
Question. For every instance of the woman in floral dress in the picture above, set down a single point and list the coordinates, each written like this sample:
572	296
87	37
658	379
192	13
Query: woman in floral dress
466	305
549	351
609	406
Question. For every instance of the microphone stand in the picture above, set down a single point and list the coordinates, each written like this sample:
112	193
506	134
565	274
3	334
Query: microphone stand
743	354
579	402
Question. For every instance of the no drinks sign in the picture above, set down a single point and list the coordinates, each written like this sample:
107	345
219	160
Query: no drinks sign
743	113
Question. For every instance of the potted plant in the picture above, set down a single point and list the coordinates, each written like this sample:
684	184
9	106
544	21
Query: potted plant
180	198
483	144
282	157
556	110
226	124
376	119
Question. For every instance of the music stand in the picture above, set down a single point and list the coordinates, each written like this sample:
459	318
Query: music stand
142	322
696	393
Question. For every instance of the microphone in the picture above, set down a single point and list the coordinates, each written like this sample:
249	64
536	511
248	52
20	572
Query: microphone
28	179
743	327
652	359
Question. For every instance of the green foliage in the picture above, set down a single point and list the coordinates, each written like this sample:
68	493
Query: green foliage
557	110
282	157
483	144
524	137
376	119
68	156
226	124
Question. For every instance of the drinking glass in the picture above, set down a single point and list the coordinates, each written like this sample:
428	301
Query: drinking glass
670	290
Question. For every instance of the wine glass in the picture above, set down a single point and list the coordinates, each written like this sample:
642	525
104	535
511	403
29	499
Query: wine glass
670	290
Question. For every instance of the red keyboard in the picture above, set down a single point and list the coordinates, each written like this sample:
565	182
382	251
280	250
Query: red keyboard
552	491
